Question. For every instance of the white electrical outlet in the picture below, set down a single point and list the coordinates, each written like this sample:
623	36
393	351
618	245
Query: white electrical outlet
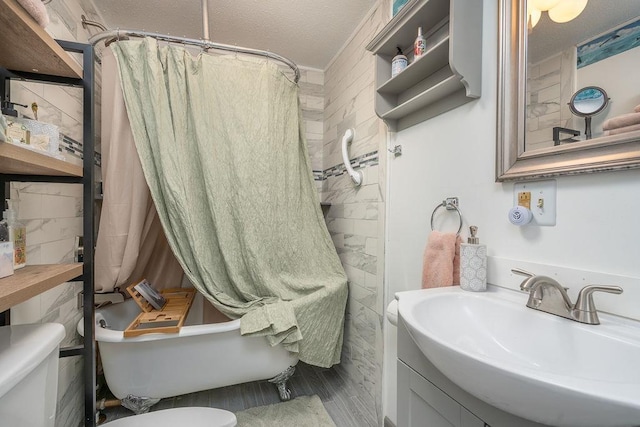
543	200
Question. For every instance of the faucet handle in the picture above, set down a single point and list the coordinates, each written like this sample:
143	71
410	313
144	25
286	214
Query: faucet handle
522	272
584	309
525	284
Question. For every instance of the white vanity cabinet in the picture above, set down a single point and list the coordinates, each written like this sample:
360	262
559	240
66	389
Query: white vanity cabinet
427	398
420	404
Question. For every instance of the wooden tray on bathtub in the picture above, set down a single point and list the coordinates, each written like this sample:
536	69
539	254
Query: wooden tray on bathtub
169	320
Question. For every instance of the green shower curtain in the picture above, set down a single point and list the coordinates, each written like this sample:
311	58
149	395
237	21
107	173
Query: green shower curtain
221	146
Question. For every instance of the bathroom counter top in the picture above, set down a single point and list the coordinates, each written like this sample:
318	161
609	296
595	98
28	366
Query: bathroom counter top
21	161
33	280
29	48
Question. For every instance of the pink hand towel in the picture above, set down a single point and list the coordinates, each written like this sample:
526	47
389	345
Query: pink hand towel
441	262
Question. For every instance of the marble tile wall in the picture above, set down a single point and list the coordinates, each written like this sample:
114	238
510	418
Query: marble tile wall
356	216
550	84
53	213
311	96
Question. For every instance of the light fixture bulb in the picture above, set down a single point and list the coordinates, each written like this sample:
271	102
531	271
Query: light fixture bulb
567	10
533	15
543	5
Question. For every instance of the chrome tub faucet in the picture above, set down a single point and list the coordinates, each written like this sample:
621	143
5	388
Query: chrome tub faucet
546	294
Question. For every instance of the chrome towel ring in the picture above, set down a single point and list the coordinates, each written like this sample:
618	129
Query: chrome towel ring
451	203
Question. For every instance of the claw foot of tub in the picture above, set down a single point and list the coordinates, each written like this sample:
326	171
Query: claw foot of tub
139	405
280	381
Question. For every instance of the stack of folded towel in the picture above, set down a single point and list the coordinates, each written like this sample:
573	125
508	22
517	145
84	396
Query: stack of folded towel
622	124
36	9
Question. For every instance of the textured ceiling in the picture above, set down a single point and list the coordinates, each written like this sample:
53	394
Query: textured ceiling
548	38
309	32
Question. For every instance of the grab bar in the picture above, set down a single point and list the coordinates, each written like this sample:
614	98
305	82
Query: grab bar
356	176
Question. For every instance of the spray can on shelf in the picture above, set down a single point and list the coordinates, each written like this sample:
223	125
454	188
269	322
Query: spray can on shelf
420	45
398	63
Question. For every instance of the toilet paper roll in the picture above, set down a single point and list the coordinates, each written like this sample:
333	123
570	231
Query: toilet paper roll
392	312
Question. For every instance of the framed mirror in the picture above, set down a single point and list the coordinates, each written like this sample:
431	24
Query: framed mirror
544	60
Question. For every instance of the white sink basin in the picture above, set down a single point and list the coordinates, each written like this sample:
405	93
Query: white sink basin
532	364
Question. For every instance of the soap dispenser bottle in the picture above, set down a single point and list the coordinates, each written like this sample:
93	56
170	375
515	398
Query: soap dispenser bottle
17	234
473	263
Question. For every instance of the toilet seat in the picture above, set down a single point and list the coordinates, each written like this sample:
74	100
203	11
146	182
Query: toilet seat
192	417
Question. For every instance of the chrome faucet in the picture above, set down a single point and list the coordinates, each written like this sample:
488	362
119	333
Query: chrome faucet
546	294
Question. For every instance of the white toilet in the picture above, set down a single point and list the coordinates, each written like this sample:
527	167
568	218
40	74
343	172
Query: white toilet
29	385
29	374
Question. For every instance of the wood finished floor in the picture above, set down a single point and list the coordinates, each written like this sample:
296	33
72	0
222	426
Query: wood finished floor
341	401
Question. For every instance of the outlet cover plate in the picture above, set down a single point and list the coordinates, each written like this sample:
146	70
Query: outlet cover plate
543	201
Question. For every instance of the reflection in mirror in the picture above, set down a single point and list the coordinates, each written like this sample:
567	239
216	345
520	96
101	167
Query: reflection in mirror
587	102
545	57
597	47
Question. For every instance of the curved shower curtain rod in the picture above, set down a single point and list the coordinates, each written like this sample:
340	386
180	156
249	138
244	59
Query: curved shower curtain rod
205	44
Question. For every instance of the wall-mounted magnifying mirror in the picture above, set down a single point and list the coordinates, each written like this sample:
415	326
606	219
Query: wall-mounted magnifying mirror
587	102
546	56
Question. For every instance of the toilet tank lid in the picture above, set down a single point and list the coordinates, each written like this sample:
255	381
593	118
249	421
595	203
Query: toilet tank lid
23	348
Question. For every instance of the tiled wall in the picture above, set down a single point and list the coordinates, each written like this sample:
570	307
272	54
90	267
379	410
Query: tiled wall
312	103
53	213
356	216
550	84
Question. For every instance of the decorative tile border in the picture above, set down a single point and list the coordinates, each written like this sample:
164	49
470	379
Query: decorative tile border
360	162
75	148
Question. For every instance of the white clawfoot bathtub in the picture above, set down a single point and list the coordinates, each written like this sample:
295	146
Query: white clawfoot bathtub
199	357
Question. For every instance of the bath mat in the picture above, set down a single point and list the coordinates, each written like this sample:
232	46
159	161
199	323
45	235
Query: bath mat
303	411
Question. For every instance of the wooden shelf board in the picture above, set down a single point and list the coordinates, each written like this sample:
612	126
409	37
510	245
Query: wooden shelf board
434	59
27	47
20	161
32	280
435	93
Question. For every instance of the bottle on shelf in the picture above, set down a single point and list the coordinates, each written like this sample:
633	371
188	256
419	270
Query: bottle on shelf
17	234
6	250
398	63
419	46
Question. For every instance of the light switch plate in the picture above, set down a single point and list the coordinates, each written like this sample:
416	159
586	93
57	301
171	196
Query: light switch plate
543	200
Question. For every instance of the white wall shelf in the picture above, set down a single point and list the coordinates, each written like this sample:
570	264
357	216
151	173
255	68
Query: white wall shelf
448	75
